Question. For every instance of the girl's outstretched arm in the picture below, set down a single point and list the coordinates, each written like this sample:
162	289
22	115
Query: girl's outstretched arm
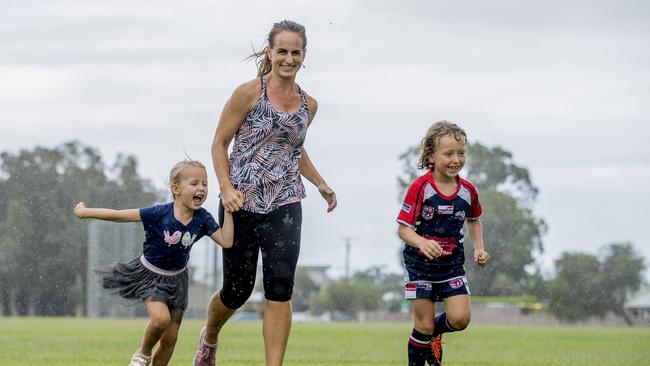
224	236
106	214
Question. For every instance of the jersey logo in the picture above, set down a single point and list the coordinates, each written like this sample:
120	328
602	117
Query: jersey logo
188	239
406	208
172	239
428	212
445	209
460	215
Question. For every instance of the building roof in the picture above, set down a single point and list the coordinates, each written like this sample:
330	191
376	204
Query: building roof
639	300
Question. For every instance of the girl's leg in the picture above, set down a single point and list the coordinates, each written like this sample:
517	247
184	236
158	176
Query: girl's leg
168	339
276	328
418	345
159	320
456	317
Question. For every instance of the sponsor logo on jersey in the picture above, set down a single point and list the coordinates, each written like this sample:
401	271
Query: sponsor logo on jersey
428	212
406	208
460	215
446	209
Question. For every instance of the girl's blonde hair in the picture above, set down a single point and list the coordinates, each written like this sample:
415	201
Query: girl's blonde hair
176	174
429	143
262	59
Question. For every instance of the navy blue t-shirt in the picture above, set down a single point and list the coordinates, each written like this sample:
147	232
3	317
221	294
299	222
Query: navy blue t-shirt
167	242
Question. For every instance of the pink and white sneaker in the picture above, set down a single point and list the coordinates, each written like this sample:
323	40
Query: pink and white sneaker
205	353
138	359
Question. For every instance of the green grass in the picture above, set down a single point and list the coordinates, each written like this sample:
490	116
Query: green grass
74	341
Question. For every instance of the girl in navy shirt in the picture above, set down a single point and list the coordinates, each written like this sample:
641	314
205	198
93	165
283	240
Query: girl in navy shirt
159	276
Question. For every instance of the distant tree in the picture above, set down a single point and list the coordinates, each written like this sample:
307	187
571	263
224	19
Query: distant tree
576	293
347	297
586	287
388	284
622	275
305	289
511	232
46	246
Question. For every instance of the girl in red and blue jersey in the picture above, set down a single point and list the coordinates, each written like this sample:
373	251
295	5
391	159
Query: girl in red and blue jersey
159	277
431	222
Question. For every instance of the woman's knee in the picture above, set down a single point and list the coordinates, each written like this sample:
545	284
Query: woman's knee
235	299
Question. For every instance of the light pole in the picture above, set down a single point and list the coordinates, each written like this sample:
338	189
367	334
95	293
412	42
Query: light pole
348	246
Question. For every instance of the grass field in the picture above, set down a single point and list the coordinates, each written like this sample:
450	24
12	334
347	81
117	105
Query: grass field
75	341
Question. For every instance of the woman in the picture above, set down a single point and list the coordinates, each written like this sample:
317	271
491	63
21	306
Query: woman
268	118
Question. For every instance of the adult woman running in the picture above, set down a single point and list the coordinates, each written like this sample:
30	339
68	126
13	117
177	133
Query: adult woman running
260	183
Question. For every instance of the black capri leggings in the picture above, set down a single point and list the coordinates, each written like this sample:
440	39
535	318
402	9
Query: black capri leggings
277	235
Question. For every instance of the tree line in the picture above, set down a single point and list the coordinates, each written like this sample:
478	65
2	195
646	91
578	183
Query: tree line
43	255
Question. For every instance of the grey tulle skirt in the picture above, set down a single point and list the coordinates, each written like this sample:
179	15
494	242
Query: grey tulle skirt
132	283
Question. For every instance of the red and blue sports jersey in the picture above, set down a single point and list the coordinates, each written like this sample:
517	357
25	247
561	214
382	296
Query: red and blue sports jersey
438	217
167	241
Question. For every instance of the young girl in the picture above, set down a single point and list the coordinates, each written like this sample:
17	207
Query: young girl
159	277
435	209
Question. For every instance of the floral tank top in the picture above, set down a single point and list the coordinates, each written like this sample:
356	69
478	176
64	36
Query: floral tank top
266	153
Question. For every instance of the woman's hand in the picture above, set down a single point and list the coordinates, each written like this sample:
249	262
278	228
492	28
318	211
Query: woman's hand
329	196
232	199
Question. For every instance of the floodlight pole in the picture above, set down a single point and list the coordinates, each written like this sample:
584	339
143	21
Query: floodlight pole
348	245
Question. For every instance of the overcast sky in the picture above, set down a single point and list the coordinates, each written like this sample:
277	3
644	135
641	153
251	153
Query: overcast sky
563	85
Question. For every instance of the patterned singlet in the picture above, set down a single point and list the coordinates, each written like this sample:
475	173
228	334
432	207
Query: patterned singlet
264	159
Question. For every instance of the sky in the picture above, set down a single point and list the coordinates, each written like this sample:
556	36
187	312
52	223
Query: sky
563	85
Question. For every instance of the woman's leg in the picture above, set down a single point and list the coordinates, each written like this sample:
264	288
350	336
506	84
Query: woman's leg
239	270
277	325
218	315
280	250
168	339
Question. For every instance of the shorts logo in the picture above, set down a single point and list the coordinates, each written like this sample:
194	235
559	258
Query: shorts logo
406	208
456	283
445	209
410	290
460	215
428	212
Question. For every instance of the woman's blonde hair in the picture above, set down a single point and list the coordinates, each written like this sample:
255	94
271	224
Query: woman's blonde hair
262	59
176	174
430	141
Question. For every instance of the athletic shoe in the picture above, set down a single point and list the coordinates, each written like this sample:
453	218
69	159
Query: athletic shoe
138	359
205	353
436	351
